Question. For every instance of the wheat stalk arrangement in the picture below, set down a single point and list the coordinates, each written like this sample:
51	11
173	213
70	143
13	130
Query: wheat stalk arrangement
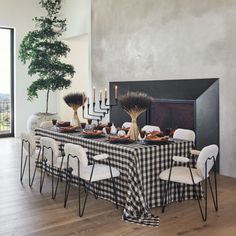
75	100
135	103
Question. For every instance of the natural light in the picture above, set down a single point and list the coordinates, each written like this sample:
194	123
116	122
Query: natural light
5	79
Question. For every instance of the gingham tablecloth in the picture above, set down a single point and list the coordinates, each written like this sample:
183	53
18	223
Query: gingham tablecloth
138	188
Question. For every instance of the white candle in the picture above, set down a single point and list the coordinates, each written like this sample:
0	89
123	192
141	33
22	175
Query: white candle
116	87
100	95
83	98
88	100
105	93
94	94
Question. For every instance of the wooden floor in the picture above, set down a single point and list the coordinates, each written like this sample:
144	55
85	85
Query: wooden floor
24	211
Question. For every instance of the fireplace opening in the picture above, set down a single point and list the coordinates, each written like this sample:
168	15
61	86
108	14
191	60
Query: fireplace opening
172	114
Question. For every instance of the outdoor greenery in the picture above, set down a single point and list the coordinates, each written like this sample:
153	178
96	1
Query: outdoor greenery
4	116
43	50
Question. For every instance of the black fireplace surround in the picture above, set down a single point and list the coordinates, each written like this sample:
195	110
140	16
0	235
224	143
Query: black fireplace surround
191	104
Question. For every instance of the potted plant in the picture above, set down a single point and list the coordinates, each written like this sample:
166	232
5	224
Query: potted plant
43	51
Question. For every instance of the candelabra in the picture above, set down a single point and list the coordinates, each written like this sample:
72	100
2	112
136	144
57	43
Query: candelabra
98	115
104	109
92	116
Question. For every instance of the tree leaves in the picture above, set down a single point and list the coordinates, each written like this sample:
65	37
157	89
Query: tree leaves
42	50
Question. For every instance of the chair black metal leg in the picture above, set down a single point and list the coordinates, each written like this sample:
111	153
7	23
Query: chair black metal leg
29	172
214	198
165	195
58	178
42	176
37	162
67	189
85	200
86	195
178	189
113	183
98	188
23	169
114	191
203	214
182	197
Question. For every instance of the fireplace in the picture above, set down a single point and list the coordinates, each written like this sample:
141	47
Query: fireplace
172	114
190	103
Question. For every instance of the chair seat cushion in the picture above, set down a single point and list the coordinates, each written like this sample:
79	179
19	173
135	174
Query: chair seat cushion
181	174
100	172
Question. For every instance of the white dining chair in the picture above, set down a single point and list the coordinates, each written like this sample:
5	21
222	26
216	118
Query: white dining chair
126	125
52	161
150	128
77	165
193	176
28	152
189	135
184	134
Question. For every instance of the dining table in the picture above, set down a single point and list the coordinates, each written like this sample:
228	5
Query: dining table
139	188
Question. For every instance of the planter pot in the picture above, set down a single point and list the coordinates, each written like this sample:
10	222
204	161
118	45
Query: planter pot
35	120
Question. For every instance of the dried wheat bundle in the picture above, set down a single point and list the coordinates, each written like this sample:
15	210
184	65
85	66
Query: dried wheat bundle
75	100
135	103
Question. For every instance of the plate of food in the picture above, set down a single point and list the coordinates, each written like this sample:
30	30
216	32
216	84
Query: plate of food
153	139
120	139
63	124
93	134
68	129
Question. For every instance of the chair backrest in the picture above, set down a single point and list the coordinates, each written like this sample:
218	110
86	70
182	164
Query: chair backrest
126	125
46	124
78	151
50	149
150	128
28	143
184	134
210	151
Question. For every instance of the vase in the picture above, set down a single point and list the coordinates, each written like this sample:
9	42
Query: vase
36	119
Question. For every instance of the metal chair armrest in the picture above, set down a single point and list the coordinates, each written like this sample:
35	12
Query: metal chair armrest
180	159
100	157
195	152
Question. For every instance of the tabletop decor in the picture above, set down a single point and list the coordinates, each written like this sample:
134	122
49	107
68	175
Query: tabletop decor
135	103
102	105
75	100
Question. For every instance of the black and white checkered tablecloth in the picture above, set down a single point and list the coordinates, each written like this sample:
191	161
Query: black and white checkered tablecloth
138	188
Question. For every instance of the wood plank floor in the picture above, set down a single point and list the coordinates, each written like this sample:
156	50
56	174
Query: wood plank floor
24	211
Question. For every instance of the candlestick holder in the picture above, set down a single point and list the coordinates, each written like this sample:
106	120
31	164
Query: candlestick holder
98	112
111	105
105	109
92	116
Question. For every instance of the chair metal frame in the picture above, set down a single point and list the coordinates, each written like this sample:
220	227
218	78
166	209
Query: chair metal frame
207	178
68	182
42	174
23	162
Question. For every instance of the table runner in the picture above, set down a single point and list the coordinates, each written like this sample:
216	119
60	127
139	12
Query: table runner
138	188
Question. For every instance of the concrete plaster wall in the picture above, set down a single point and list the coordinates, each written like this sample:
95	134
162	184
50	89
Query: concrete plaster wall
165	39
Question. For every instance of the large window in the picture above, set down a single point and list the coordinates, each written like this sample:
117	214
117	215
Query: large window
6	82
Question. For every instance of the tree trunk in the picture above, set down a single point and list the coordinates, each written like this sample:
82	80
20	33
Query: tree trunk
47	100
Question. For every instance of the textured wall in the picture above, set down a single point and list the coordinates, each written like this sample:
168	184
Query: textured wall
166	39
